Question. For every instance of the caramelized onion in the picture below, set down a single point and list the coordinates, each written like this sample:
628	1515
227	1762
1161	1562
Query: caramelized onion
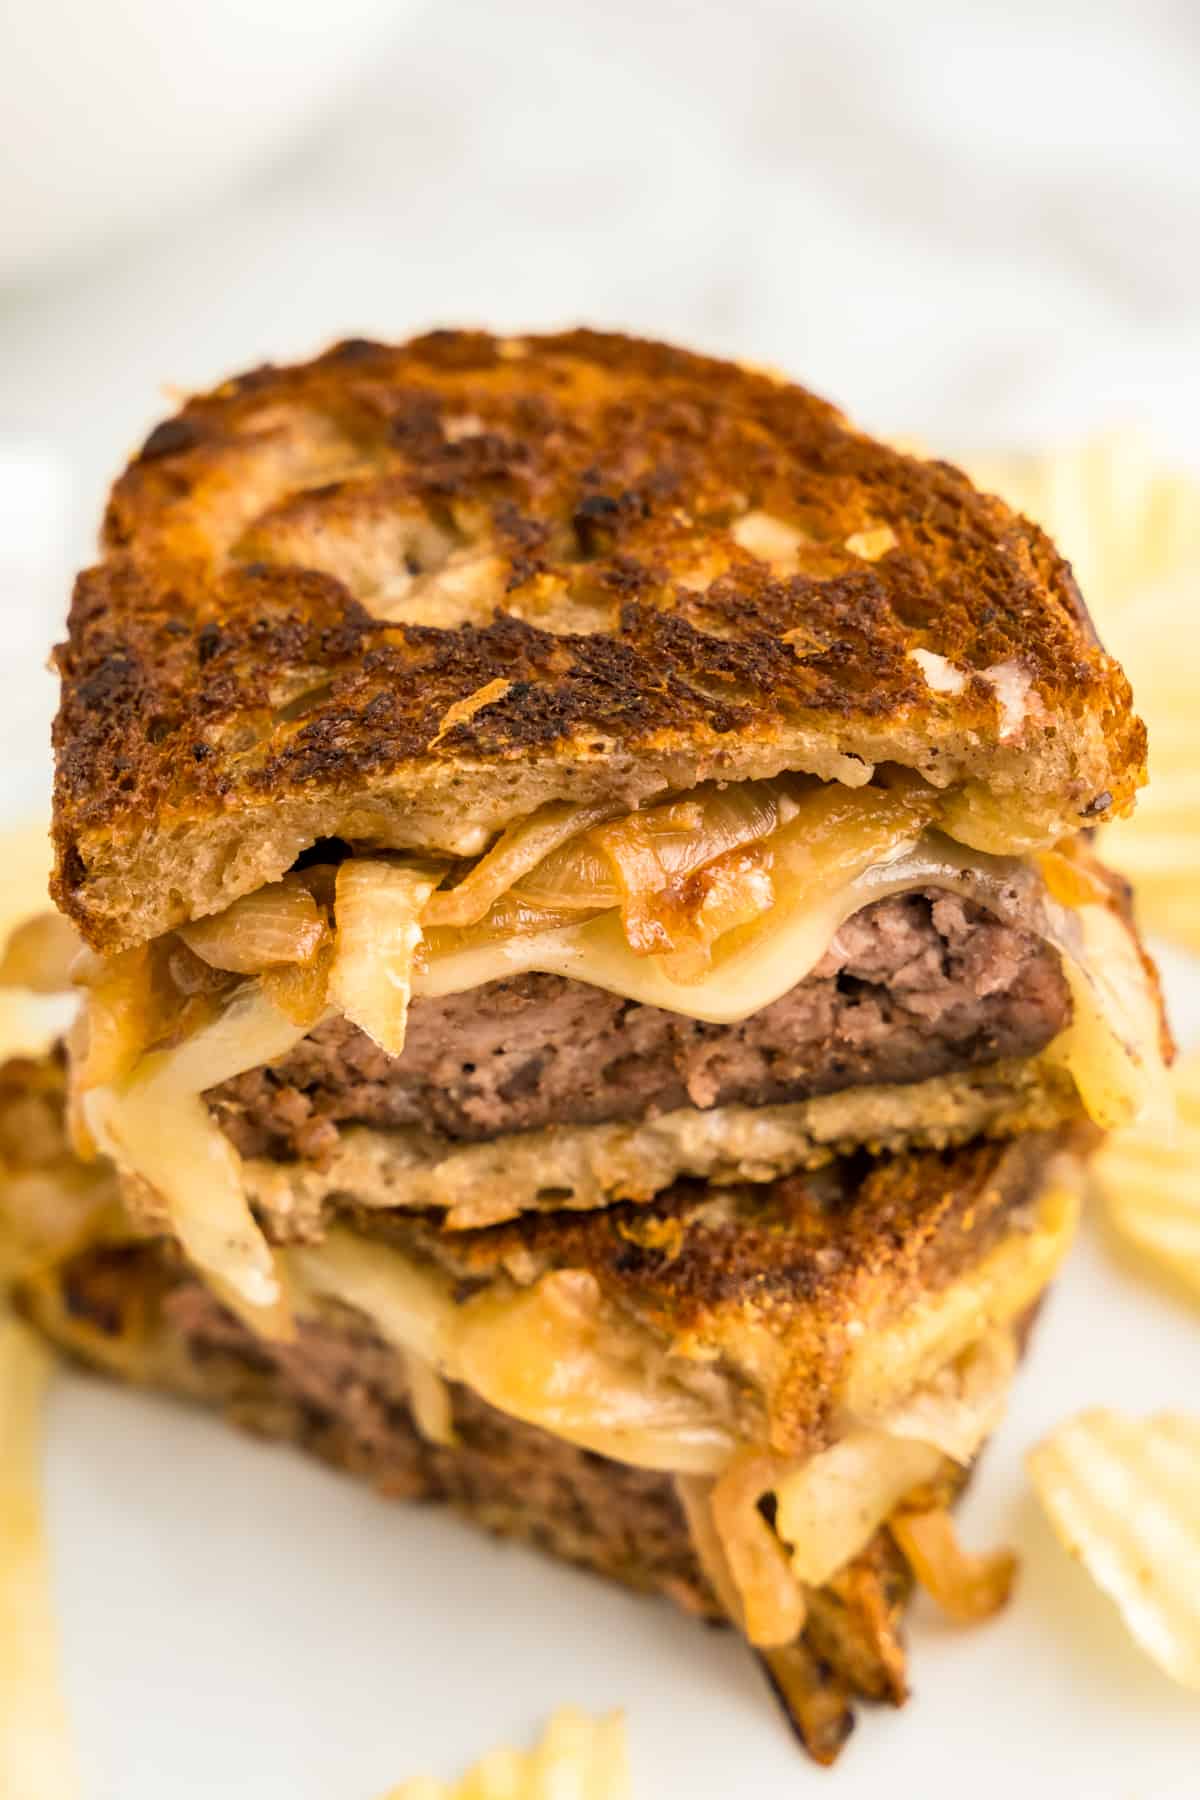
771	1595
278	923
695	1497
577	878
40	954
155	1125
731	892
512	917
518	850
653	852
300	990
835	832
966	1587
130	1003
829	1506
378	911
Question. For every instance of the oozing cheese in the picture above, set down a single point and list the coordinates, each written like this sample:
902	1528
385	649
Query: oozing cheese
548	1355
155	1125
744	978
1112	1049
555	1355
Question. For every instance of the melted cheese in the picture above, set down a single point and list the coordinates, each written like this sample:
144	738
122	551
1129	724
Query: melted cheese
1112	1049
555	1356
548	1355
1113	1046
155	1126
746	976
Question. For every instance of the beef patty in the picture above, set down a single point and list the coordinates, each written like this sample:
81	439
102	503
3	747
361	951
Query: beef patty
911	987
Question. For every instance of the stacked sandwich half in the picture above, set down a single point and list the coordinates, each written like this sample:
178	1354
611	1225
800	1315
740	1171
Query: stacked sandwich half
597	990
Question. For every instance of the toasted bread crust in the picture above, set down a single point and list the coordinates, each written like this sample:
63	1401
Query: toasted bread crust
812	1262
403	595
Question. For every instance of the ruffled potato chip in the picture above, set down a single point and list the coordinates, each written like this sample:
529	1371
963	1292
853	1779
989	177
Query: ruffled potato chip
1127	523
1131	528
35	1749
578	1758
1123	1495
29	1022
1150	1180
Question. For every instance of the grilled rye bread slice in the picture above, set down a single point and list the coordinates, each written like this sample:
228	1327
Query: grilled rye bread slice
404	595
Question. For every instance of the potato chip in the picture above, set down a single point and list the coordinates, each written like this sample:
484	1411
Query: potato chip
1132	531
1123	1495
1125	522
35	1749
1150	1179
578	1758
29	1023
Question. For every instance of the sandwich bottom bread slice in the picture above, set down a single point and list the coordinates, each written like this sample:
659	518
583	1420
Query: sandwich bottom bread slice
758	1401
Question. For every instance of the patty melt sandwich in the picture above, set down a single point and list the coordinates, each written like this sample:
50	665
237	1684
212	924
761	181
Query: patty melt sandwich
590	927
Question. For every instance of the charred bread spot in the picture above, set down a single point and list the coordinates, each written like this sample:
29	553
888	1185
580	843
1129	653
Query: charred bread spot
171	437
586	487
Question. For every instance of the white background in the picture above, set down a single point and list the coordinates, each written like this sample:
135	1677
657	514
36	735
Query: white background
976	224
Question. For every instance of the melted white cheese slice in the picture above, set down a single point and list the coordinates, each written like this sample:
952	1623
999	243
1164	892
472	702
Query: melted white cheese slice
1112	1048
759	966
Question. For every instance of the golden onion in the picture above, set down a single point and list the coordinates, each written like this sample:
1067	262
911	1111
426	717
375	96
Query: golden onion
829	1506
966	1587
772	1599
40	954
130	1002
652	852
576	878
278	923
734	891
300	990
378	911
518	851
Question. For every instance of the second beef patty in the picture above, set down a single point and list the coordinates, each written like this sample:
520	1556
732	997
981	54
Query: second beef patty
911	987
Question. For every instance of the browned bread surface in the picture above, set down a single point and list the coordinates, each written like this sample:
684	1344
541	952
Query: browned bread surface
787	1284
404	594
795	1289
